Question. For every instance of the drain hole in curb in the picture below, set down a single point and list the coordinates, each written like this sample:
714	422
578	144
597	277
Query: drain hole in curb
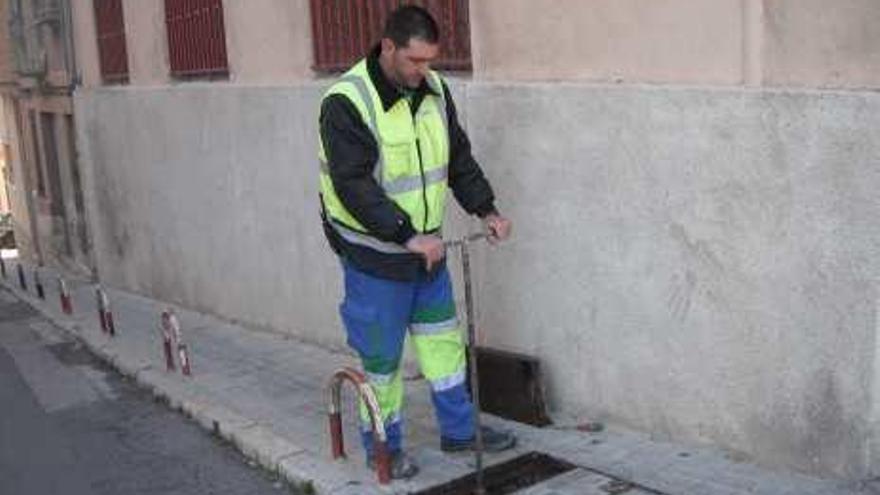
508	477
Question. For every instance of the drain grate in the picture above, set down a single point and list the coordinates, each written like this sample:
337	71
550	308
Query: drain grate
508	477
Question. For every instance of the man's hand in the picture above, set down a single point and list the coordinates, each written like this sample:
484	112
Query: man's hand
429	246
498	227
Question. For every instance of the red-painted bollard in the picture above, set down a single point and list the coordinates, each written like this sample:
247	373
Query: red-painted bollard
64	296
380	439
383	461
167	335
337	442
182	350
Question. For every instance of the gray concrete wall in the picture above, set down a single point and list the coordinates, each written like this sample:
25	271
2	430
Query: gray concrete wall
206	195
698	264
695	263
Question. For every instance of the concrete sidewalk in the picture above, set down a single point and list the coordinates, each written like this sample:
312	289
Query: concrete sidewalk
264	393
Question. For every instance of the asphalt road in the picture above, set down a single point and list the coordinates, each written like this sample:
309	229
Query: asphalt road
70	425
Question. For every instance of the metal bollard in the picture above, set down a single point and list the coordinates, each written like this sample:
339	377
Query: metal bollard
111	326
182	350
365	392
105	314
166	337
22	282
38	283
2	267
99	298
64	296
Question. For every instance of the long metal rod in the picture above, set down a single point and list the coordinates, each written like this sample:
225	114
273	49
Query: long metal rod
472	354
475	380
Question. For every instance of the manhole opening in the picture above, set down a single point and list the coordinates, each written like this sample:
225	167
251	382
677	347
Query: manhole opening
508	477
510	386
16	311
72	353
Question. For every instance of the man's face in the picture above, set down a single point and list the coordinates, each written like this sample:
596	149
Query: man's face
410	63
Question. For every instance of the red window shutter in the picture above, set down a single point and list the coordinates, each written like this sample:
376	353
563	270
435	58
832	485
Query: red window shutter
345	30
112	53
196	38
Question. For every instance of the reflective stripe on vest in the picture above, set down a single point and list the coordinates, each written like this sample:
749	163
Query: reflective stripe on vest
355	237
361	87
413	158
406	184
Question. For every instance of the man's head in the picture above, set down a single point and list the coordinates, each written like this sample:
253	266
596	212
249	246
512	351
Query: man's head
409	44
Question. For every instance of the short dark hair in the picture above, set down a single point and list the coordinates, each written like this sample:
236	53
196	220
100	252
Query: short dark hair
411	21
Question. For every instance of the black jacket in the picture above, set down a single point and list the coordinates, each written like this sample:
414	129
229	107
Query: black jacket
352	153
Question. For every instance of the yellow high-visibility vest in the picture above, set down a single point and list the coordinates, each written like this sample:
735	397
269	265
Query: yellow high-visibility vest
413	157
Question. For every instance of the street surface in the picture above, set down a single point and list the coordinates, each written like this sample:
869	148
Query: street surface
71	425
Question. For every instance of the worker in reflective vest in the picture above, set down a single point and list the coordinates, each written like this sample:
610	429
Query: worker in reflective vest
390	147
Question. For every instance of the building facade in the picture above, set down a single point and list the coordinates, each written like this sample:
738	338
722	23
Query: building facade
692	184
43	178
7	81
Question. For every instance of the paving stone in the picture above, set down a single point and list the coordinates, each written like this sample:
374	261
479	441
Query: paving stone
262	444
326	476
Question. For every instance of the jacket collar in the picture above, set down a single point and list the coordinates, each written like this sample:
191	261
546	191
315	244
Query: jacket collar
388	91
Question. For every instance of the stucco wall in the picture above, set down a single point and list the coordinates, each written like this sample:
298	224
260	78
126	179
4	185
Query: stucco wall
810	43
804	43
699	264
268	40
85	42
608	40
823	44
146	42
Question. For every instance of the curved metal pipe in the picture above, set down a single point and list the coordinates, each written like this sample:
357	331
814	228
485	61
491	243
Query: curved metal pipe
365	392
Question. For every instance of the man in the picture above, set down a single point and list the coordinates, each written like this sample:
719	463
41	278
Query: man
390	146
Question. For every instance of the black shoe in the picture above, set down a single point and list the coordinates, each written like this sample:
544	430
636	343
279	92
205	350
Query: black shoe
403	467
493	441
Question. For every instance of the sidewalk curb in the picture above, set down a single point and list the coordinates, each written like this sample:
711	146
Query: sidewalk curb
288	448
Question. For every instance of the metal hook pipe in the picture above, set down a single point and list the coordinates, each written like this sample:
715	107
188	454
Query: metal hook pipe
365	392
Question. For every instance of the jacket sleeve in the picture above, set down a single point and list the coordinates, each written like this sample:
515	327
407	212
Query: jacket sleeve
466	179
352	153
